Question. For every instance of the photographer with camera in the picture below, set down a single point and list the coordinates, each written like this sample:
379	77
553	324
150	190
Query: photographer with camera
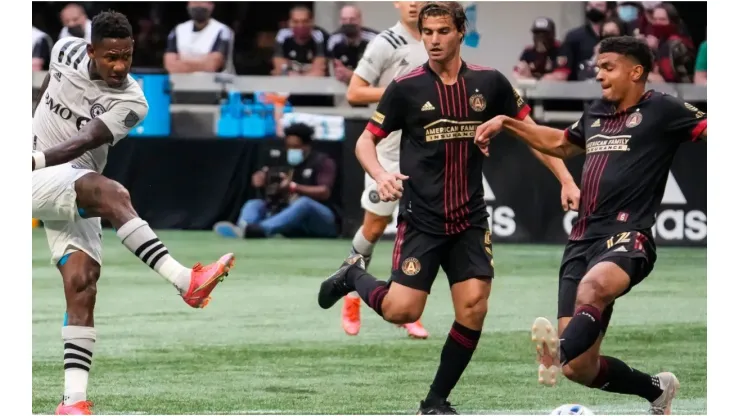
296	200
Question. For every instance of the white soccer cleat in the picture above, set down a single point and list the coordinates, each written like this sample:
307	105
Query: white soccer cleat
662	405
545	338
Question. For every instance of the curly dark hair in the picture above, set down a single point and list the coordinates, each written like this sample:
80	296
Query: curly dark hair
631	47
300	130
444	8
110	24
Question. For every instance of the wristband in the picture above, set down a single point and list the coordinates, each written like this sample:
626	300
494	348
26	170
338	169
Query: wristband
39	159
292	187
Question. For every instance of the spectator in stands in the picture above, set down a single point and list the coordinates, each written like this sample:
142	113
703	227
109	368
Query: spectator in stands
579	43
538	61
151	44
700	76
633	14
41	45
611	27
301	203
673	46
347	44
75	22
202	44
299	49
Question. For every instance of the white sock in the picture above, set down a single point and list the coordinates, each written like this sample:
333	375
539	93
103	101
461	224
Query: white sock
361	245
139	238
78	352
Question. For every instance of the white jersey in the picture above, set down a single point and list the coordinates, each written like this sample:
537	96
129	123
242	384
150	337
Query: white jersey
392	53
72	99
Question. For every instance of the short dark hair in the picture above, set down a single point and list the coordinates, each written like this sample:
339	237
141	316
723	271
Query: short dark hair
110	24
444	8
631	47
301	130
301	8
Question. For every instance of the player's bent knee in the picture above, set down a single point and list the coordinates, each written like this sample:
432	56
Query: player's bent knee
581	370
400	311
592	291
473	310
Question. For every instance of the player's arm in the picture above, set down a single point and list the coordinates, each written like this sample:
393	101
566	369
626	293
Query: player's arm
683	121
552	142
325	182
215	59
376	58
106	129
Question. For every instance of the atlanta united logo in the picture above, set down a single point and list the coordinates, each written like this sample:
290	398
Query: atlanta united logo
411	266
477	102
96	110
633	120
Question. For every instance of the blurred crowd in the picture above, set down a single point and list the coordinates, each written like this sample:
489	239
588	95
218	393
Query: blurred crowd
298	47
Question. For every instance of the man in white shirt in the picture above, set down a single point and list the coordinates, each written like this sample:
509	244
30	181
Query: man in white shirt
41	49
75	22
202	44
394	52
87	103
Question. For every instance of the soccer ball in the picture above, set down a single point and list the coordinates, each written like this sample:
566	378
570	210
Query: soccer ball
572	409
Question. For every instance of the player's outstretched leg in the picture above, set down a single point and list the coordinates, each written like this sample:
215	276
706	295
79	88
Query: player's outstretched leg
579	357
98	196
80	274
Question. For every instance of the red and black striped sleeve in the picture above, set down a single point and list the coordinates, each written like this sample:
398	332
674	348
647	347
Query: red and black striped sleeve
574	133
508	100
390	113
684	122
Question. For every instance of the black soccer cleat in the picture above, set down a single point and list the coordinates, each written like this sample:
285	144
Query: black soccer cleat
444	408
336	286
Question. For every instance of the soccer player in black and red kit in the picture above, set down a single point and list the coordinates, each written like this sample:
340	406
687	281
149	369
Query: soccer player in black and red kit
443	219
630	138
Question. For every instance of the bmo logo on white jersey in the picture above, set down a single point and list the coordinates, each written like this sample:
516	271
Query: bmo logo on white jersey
66	114
676	223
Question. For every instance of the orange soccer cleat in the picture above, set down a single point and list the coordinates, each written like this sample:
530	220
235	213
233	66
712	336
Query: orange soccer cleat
79	408
351	315
204	279
415	330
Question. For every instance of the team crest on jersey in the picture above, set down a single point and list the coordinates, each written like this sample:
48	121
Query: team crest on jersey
633	120
477	102
96	110
131	119
411	266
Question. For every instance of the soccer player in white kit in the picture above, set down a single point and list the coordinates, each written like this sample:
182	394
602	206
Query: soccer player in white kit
392	53
87	103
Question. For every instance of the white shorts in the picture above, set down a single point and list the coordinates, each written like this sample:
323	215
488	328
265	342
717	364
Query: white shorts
370	200
54	202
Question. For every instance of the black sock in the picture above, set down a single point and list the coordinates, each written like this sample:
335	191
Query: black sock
581	333
456	354
617	377
370	289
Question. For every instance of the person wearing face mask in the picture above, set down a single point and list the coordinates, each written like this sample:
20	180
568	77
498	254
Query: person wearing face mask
673	47
300	48
579	43
346	45
75	21
633	14
202	44
611	28
307	187
538	61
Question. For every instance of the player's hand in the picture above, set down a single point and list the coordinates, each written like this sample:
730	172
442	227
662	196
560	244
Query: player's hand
570	196
486	131
390	187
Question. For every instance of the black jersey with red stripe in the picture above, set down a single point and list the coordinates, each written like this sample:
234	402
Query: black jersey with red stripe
444	192
628	159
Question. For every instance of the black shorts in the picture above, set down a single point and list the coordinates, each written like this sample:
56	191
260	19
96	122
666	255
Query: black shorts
417	257
633	251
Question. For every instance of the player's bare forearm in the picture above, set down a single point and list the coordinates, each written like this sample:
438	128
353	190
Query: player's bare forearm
555	164
93	135
360	92
547	140
318	68
209	63
315	192
42	91
367	153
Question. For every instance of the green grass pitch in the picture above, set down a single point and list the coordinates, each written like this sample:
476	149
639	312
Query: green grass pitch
264	346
